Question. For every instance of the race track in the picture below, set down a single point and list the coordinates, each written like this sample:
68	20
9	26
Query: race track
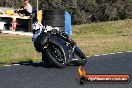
39	76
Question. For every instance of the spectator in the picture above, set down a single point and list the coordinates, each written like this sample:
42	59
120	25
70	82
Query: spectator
27	9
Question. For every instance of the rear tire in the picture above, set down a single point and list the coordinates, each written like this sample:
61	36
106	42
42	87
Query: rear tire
47	62
45	59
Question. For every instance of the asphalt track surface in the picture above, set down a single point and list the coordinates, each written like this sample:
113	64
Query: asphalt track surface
39	76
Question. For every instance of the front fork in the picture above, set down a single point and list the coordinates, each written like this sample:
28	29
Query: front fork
71	54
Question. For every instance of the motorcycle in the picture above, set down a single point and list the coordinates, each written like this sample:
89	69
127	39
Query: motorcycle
56	46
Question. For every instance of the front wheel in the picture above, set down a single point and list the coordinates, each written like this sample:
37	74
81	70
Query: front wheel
45	58
56	54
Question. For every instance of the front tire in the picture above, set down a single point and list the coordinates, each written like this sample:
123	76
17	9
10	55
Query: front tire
45	58
56	54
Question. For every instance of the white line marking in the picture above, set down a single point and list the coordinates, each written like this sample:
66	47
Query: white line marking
120	52
104	54
7	65
87	56
112	53
97	55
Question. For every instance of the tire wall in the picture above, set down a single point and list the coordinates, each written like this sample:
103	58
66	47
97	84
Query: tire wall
58	18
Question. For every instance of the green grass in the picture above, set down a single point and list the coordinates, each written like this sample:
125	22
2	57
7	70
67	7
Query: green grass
104	37
14	48
103	44
95	38
121	27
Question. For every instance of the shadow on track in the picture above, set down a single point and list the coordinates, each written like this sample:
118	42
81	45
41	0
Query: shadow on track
37	64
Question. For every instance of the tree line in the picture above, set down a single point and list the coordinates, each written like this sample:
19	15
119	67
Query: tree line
85	11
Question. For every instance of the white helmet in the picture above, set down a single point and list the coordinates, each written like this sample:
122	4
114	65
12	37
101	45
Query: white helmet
37	29
37	26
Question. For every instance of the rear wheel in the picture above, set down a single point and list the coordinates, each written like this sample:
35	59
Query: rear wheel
56	54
